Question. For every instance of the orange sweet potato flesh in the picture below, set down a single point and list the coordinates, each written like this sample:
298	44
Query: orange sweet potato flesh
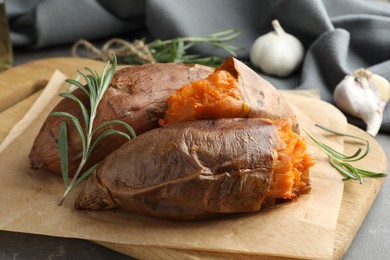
217	96
291	171
233	90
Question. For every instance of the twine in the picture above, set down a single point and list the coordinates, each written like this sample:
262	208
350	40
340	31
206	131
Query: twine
119	47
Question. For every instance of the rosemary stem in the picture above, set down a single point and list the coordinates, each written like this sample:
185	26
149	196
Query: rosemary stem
211	39
84	157
341	161
85	151
71	184
185	39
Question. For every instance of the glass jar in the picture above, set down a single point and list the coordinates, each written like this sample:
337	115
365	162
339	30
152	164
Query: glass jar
6	57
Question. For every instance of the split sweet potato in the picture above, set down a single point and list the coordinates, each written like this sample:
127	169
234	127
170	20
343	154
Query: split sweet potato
200	169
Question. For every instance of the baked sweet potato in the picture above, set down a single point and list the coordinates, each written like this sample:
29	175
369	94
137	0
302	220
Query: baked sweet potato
200	169
137	95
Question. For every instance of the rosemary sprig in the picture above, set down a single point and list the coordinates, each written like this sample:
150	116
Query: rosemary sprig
177	50
341	162
95	88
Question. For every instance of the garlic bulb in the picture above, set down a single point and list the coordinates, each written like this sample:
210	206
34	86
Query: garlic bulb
363	95
277	53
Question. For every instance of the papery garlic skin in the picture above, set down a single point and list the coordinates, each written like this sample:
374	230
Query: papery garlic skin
277	53
383	86
363	95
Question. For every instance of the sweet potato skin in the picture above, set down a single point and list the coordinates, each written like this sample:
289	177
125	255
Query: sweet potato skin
189	170
264	99
137	95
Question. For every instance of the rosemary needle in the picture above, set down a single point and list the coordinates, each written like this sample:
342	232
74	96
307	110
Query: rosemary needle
95	88
341	161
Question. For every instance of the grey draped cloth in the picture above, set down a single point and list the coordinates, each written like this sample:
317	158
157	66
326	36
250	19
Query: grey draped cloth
339	36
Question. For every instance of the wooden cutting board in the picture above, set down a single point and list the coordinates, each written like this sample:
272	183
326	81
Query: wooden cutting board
20	86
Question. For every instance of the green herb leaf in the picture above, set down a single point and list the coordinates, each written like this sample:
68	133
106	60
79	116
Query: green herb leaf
105	134
63	147
82	107
353	157
119	122
78	85
340	161
371	174
335	154
76	124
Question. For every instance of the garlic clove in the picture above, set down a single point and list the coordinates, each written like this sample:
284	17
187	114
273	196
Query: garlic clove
374	122
277	52
363	95
345	94
383	85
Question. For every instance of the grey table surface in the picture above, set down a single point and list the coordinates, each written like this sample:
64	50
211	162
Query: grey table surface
371	242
